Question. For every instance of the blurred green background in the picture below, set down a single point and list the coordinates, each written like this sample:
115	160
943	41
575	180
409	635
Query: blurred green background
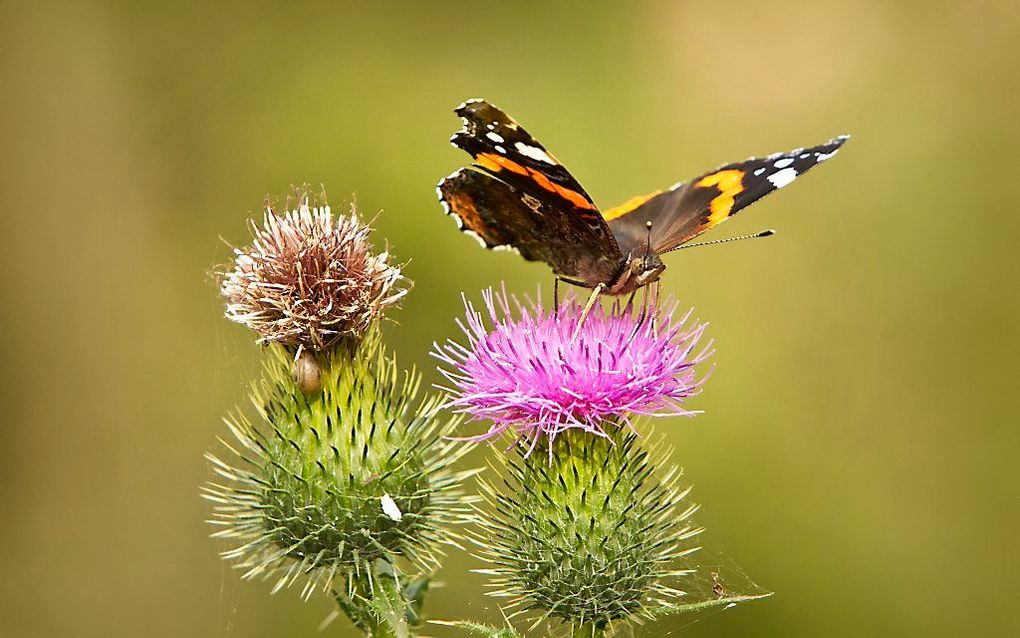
858	455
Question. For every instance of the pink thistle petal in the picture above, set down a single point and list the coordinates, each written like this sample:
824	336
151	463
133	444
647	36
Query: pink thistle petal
523	370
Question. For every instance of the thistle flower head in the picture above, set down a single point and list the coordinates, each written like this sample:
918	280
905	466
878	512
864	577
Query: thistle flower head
530	372
308	278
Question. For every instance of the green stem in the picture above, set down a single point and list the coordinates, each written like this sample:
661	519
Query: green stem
378	629
377	610
389	592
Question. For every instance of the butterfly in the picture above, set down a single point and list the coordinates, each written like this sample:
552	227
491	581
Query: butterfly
518	197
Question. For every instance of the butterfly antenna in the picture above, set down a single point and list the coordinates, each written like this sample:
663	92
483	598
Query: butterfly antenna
648	225
764	233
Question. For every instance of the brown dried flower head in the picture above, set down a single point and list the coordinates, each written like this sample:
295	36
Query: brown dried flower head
310	279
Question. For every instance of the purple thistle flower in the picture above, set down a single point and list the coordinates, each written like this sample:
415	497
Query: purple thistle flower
532	375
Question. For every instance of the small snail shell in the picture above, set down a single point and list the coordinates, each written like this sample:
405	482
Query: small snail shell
307	372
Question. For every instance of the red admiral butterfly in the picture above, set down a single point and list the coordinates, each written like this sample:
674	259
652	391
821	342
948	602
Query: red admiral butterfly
523	199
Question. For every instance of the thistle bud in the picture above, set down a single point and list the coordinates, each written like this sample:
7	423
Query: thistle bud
323	485
589	535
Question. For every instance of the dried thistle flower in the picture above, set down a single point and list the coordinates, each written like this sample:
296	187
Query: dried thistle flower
528	373
309	279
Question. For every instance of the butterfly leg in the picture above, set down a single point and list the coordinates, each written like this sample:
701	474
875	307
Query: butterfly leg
630	301
587	308
655	309
649	305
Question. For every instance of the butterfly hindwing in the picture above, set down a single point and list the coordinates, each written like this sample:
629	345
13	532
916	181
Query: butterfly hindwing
502	216
688	209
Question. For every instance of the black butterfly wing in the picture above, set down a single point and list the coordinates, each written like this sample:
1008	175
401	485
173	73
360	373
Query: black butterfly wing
500	216
688	209
501	145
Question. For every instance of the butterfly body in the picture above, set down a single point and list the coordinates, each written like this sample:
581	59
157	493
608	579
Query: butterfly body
519	197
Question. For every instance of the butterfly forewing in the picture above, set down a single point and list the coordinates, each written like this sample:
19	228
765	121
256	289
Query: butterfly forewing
688	209
502	147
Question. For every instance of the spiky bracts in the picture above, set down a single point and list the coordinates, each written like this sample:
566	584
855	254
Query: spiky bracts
325	484
591	535
309	278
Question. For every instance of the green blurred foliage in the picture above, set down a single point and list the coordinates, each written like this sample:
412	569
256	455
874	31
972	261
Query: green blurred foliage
857	454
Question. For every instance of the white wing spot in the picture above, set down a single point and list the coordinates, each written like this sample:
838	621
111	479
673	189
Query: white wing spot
389	507
507	248
495	137
500	149
783	177
821	157
783	163
534	153
805	155
760	171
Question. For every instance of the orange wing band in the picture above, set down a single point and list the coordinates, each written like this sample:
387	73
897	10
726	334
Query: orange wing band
730	183
628	206
496	163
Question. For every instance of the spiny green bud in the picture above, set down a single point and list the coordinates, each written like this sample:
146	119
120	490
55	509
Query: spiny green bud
589	534
331	480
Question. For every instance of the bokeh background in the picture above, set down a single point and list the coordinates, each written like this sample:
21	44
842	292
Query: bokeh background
858	455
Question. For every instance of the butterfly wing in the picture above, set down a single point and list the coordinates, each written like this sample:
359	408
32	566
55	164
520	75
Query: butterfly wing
501	147
500	216
688	209
521	197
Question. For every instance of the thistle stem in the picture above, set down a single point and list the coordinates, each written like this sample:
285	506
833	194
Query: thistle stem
394	624
377	609
380	630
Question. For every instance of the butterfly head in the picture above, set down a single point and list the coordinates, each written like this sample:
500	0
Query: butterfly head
639	270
